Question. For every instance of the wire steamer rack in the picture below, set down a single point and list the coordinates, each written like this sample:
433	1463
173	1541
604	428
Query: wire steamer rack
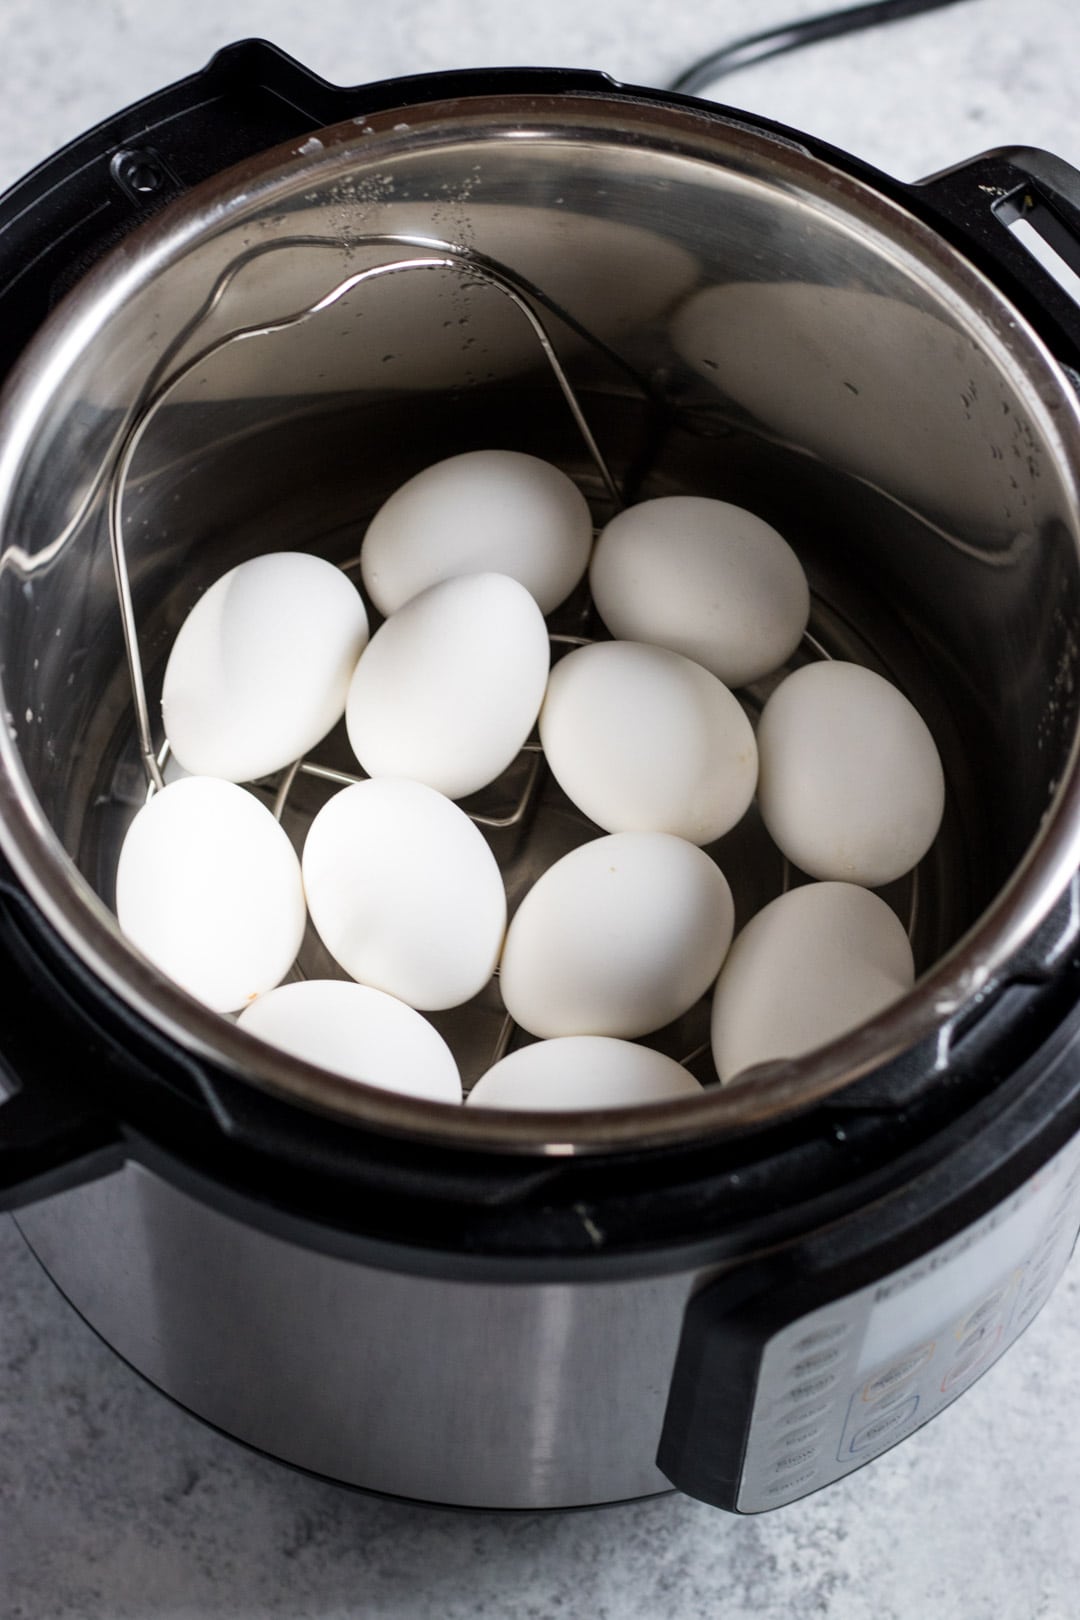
511	808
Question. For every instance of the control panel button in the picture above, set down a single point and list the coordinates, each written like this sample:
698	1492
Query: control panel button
973	1360
987	1309
899	1373
883	1430
828	1333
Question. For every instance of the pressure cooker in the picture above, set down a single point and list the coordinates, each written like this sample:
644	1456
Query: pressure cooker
745	1294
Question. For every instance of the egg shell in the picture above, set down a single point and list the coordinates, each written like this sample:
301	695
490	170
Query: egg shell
487	511
576	1072
260	669
850	785
448	689
808	967
358	1032
405	892
619	937
644	740
704	578
208	888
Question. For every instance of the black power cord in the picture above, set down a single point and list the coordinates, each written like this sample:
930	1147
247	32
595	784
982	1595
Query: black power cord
753	48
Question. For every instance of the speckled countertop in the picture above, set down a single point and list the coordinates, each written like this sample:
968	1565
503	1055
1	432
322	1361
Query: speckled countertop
116	1505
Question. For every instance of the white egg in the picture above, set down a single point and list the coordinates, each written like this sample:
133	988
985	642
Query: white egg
644	740
405	892
449	688
579	1072
617	938
260	669
850	784
359	1032
487	511
706	579
807	968
208	888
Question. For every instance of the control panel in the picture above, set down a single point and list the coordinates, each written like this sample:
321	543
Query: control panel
842	1383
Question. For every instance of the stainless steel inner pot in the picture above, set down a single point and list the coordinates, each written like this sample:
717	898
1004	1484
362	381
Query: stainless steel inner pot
768	329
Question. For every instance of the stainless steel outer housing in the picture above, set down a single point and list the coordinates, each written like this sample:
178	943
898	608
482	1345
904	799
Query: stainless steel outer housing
810	341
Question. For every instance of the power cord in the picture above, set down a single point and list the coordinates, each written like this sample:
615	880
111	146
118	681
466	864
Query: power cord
753	48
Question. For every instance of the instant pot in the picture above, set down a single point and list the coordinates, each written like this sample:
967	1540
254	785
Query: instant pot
746	1294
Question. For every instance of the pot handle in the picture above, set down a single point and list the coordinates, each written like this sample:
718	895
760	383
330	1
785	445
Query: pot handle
54	1134
978	202
51	1138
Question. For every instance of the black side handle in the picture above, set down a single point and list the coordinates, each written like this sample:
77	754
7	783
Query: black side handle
976	203
52	1137
55	1130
